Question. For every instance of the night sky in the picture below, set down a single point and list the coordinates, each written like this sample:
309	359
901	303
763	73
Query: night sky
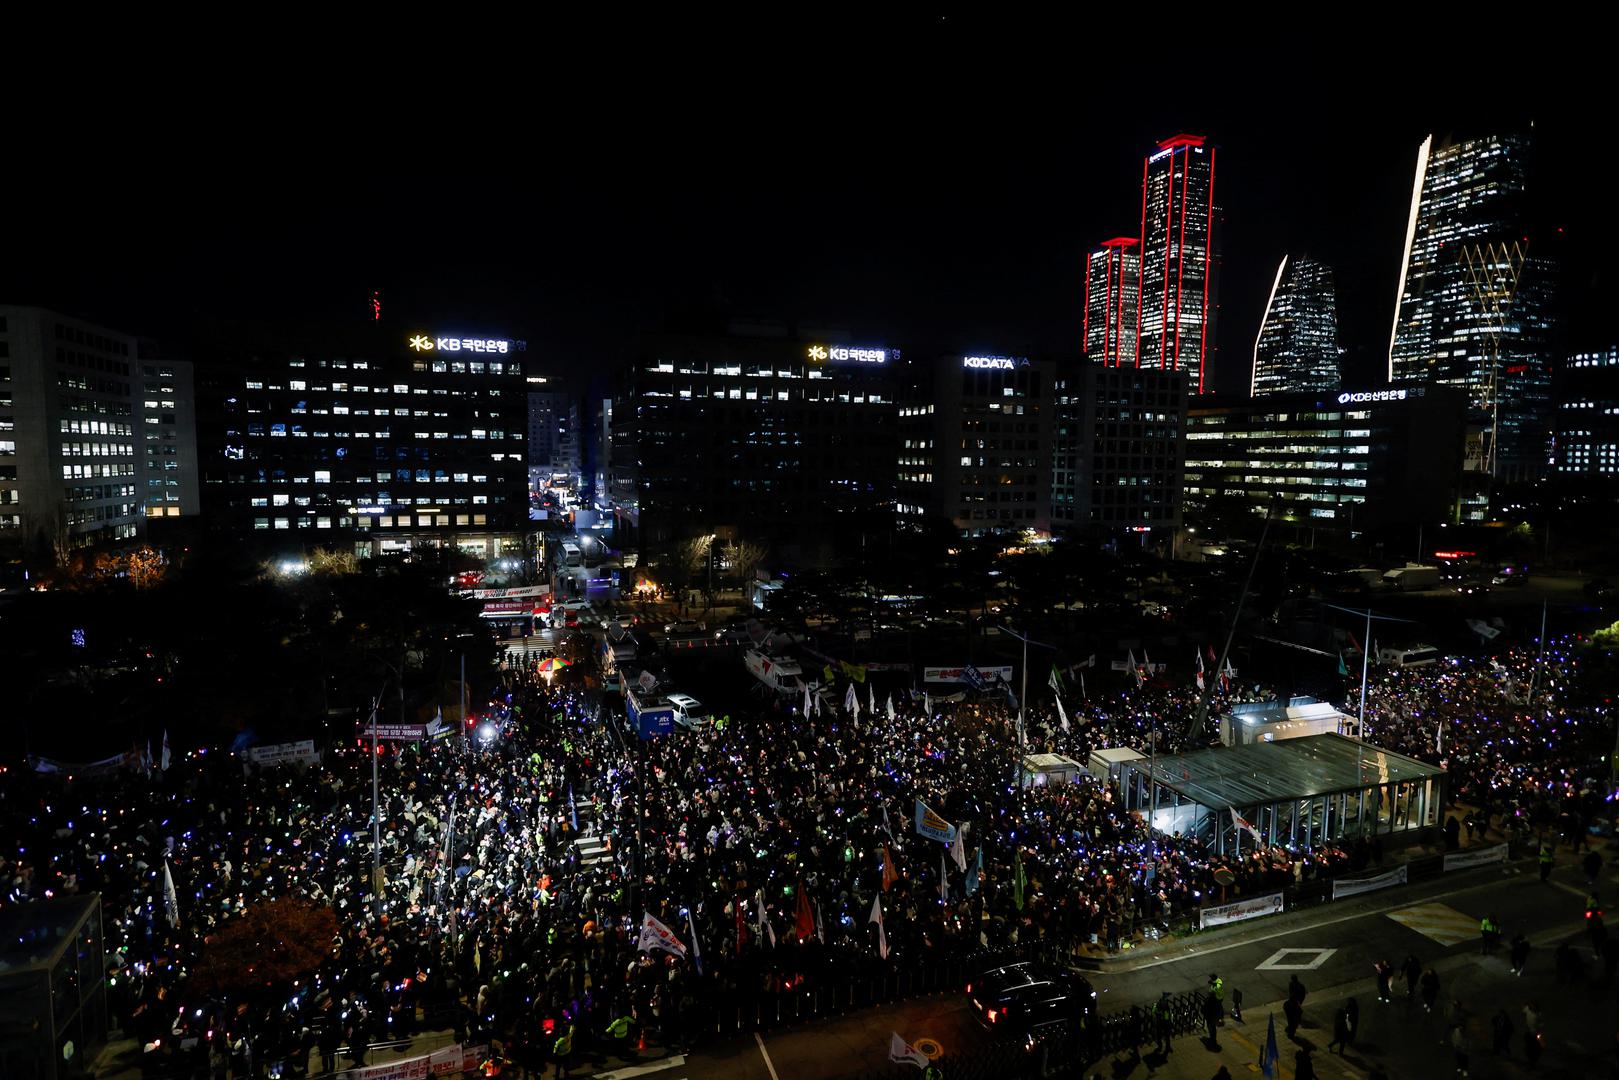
928	181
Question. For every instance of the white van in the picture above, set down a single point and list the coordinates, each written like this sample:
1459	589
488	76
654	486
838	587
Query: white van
1410	657
689	712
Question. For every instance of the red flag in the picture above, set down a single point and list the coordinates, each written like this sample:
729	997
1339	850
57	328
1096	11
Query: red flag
1212	658
890	875
736	905
804	924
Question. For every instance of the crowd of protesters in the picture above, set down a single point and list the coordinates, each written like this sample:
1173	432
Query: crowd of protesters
778	846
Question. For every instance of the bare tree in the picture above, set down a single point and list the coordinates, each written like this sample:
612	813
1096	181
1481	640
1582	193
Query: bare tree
745	559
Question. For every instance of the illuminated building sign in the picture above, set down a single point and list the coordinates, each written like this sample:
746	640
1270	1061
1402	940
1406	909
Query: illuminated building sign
843	354
1347	397
424	343
998	363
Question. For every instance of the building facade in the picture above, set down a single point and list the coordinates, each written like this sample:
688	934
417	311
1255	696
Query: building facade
1180	259
975	442
1587	428
1118	448
72	455
771	437
1473	309
1296	350
553	437
168	429
370	436
1353	460
1113	301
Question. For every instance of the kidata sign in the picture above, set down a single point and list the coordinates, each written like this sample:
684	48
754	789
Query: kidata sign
992	363
844	354
427	343
1357	396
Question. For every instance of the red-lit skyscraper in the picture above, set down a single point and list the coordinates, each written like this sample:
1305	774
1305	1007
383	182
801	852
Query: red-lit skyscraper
1112	302
1180	226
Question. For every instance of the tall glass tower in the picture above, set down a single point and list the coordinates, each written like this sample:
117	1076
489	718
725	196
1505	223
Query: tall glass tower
1297	346
1467	232
1180	259
1112	302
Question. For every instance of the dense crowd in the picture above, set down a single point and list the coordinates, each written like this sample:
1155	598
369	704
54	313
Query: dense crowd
766	842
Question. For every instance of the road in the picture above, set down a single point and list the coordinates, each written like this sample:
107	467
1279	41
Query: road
1333	955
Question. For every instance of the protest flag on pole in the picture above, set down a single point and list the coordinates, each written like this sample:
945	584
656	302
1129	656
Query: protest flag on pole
655	935
171	899
696	946
877	917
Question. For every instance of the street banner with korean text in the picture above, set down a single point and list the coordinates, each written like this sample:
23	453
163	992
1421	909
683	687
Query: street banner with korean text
1240	911
957	674
1461	860
292	753
1342	887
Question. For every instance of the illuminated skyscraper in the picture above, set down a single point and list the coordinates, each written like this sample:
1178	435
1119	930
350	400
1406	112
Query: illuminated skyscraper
1297	346
1180	258
1468	202
1112	302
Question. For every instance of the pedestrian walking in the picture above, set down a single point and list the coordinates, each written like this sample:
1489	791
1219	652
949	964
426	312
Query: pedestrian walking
1501	1032
1352	1011
1340	1031
1385	980
1295	990
1519	953
1430	989
1211	1020
1295	1015
1412	970
1591	864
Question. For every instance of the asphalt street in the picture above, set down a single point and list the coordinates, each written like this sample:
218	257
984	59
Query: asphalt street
1332	949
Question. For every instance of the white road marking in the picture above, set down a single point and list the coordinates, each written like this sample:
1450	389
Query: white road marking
641	1070
1297	959
766	1055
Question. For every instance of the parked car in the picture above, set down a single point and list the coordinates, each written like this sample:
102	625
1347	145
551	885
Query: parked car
689	712
1025	997
682	628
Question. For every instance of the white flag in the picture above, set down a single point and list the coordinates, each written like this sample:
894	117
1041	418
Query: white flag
958	850
165	763
1062	712
171	899
765	929
820	927
877	917
1242	823
696	946
944	876
851	703
891	708
871	697
927	703
1132	661
655	935
806	699
901	1052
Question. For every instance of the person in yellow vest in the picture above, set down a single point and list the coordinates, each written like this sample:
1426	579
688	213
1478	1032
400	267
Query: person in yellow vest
562	1051
619	1032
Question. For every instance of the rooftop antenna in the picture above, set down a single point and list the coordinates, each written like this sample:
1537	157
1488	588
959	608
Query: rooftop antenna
376	306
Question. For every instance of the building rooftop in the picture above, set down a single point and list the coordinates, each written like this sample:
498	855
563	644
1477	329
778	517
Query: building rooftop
1268	772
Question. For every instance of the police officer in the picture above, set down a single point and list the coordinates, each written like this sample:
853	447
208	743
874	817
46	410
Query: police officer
933	1072
619	1032
1217	992
1163	1025
1491	934
1545	862
562	1050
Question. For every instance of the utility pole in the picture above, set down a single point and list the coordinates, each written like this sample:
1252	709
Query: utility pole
1023	699
376	815
1201	717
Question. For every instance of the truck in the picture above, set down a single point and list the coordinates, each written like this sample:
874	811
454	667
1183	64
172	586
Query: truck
1411	577
649	715
781	674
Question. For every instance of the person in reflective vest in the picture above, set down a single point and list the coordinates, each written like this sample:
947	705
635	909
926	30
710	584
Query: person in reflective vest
1161	1022
1490	933
562	1050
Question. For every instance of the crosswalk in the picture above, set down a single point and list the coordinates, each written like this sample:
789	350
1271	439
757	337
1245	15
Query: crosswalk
592	847
1443	924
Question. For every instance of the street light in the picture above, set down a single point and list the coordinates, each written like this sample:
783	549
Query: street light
1022	701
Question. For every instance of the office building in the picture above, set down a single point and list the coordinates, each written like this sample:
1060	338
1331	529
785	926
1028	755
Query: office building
168	427
1118	450
369	436
72	466
1473	309
1587	442
1113	301
1180	259
762	433
1297	347
975	442
1353	460
553	437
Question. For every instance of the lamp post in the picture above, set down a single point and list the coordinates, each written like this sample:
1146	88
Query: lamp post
1023	698
1360	721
